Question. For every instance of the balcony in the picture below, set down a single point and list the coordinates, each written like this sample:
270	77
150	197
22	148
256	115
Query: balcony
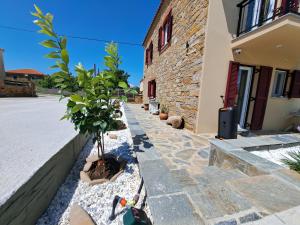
256	13
268	33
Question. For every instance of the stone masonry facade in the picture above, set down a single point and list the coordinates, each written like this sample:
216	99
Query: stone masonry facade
177	69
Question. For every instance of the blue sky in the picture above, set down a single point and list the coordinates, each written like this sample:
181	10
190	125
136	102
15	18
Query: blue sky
116	20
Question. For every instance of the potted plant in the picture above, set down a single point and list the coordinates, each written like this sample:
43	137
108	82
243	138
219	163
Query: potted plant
163	115
93	108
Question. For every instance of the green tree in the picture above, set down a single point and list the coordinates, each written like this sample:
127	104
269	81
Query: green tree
47	82
92	109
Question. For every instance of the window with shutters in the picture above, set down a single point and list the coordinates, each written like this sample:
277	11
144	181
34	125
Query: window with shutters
152	89
165	33
295	85
279	83
149	55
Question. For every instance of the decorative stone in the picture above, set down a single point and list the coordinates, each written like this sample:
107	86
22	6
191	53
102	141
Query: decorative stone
92	158
228	222
113	136
87	166
97	181
175	121
84	177
250	217
116	176
78	216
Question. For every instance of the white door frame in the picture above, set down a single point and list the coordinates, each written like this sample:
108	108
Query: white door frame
257	11
247	93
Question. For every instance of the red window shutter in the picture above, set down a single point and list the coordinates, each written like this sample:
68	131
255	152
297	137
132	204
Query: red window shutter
287	5
170	27
284	6
295	85
154	89
261	98
231	87
146	57
149	89
151	52
159	38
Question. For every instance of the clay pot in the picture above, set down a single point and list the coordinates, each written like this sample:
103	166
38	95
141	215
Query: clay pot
163	116
146	107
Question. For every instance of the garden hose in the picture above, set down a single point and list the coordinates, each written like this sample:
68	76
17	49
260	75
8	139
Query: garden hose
124	203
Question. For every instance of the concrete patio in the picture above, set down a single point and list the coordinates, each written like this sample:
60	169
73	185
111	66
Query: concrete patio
183	189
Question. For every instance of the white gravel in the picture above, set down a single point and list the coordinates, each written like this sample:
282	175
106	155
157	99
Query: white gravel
277	154
96	200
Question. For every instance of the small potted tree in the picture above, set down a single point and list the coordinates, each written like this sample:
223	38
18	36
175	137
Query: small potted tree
163	115
93	108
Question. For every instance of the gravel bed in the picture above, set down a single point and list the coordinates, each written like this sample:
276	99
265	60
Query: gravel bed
277	154
97	200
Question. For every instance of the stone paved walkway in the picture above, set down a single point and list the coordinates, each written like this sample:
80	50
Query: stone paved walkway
183	190
180	149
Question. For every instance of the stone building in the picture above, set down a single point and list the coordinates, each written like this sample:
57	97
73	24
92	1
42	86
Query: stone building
14	88
200	51
25	74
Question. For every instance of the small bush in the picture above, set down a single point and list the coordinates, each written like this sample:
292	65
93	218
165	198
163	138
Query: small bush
164	109
293	162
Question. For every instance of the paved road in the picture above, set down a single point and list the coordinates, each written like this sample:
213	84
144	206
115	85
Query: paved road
30	134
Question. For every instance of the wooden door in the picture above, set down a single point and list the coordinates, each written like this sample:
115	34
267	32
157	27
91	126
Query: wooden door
261	98
231	87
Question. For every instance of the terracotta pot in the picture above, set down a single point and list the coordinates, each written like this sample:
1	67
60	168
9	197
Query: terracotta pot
146	107
163	116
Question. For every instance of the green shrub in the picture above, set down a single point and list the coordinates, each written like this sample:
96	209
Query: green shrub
164	109
293	162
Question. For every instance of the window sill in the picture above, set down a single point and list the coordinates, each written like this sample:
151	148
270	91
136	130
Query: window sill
149	64
280	97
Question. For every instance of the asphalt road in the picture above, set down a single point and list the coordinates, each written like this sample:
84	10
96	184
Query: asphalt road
31	132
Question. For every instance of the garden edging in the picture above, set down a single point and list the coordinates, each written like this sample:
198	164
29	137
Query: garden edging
27	204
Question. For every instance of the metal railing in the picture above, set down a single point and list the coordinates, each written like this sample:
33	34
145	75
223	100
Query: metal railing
255	13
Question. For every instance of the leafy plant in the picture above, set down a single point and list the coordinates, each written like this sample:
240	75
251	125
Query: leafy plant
92	109
293	162
164	109
47	82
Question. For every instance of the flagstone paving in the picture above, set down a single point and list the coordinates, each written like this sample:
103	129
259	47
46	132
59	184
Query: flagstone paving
183	189
180	149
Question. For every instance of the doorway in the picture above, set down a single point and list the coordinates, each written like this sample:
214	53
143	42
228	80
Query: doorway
244	82
259	12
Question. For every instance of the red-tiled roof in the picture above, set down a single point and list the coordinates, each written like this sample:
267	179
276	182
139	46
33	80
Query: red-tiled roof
25	71
154	18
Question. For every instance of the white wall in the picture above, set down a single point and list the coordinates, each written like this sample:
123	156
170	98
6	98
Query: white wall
221	26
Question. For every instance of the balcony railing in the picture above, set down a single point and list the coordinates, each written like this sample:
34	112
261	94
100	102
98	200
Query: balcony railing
255	13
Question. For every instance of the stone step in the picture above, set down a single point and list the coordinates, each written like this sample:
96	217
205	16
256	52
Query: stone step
267	192
210	194
215	201
216	175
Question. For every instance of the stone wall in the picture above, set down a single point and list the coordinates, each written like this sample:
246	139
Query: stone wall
177	69
31	200
17	89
